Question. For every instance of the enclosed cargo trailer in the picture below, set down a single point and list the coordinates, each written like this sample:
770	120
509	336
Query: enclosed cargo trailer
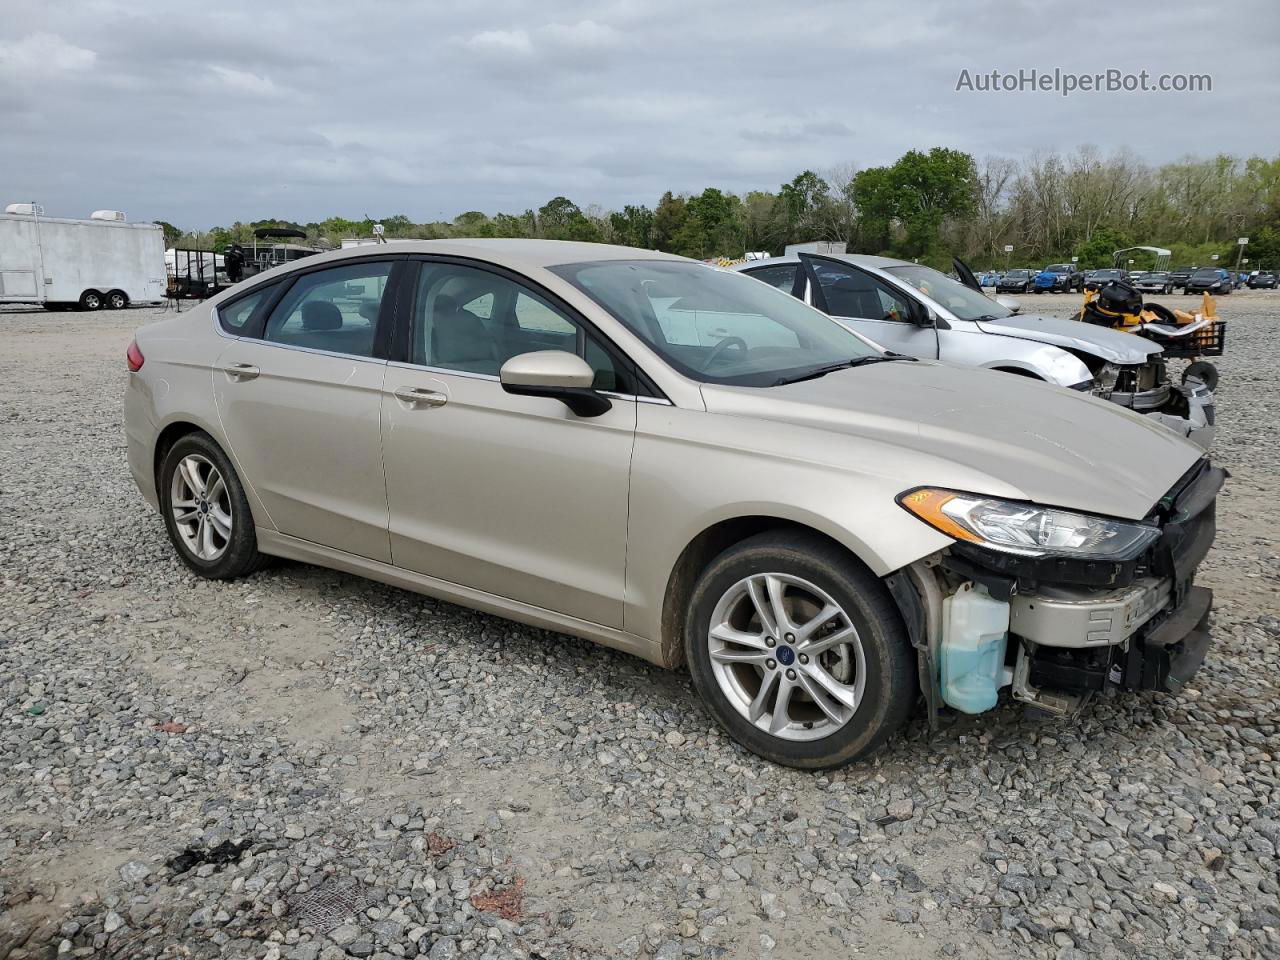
103	261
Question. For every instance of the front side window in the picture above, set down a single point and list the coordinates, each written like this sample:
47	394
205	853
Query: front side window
963	302
714	325
474	321
235	316
850	292
334	310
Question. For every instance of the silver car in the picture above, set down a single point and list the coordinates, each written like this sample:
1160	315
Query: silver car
685	464
914	309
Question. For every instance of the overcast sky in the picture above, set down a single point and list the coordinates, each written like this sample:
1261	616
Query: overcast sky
206	113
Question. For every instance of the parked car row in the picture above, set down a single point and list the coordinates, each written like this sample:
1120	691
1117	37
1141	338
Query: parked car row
701	469
1067	278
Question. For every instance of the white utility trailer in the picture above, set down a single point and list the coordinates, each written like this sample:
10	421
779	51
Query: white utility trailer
86	264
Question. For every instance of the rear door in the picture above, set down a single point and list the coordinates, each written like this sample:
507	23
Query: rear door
869	306
299	389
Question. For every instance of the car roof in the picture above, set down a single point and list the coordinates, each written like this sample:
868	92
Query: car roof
857	259
508	251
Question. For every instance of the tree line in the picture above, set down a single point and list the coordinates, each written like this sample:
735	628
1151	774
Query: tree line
926	206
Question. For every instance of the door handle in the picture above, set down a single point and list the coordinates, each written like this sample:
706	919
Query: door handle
419	396
241	371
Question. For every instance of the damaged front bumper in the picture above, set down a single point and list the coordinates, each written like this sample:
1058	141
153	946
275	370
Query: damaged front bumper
1187	409
1075	628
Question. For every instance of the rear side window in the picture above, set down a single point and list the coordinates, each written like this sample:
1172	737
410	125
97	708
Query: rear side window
333	310
782	276
235	316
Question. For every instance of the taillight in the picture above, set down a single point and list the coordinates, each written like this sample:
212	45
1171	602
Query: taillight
133	357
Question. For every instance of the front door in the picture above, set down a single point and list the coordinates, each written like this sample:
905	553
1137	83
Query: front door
869	306
299	393
515	496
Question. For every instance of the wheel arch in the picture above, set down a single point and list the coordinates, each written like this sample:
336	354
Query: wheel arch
1016	370
171	434
708	544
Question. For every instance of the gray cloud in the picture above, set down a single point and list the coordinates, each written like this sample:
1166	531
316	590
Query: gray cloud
242	110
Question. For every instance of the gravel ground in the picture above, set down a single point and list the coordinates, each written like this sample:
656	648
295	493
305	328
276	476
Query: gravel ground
187	769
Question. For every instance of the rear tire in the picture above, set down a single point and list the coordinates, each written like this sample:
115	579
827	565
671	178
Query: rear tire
825	684
205	510
117	300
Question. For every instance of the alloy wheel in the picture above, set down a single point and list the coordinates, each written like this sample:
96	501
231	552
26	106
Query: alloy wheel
787	656
201	506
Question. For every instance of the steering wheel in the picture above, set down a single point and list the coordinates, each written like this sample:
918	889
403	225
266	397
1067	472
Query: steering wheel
721	347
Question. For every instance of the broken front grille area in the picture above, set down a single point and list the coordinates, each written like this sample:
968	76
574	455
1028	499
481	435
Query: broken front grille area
1166	650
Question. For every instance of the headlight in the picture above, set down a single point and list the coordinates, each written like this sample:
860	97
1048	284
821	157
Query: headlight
1025	528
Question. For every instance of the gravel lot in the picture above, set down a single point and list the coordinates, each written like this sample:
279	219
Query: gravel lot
492	790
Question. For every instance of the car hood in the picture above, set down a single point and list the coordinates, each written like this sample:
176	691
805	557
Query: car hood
1015	437
1110	345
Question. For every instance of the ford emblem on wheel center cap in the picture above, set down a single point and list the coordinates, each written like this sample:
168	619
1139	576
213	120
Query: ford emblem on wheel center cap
786	656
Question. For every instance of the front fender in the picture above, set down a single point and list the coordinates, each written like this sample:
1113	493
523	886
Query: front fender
1043	360
686	478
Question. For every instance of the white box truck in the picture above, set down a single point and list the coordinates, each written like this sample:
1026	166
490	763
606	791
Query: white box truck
79	264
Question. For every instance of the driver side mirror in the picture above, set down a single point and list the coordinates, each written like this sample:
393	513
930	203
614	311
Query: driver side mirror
557	374
921	315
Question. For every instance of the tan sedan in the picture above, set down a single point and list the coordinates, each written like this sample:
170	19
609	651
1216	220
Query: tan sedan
686	464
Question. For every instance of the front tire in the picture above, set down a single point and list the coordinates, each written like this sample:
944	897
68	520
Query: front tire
91	300
798	651
1204	371
205	510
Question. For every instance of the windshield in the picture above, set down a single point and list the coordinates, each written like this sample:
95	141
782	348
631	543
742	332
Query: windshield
1206	273
1058	268
1018	273
714	325
963	302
